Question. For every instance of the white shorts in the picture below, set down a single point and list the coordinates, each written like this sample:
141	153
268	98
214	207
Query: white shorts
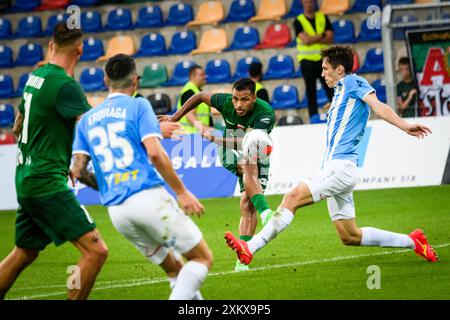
152	220
335	183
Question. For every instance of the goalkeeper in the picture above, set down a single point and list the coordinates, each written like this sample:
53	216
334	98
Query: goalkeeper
242	111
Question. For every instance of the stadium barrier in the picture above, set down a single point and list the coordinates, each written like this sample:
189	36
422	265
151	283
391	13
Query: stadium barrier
388	159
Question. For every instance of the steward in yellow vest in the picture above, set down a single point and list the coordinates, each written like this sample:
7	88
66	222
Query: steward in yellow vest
197	79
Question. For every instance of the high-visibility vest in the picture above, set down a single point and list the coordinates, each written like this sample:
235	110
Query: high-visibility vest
259	86
311	52
201	112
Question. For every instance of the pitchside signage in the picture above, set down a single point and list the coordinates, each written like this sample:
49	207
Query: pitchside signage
429	52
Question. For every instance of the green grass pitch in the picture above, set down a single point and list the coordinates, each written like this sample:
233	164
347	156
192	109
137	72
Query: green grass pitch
307	261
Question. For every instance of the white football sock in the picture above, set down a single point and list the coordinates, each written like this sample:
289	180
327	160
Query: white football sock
189	280
382	238
280	220
173	282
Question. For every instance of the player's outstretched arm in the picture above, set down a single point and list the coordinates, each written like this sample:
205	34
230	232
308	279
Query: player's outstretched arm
386	113
189	105
159	158
80	171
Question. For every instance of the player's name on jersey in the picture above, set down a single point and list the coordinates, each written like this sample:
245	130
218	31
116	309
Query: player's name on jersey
35	82
117	113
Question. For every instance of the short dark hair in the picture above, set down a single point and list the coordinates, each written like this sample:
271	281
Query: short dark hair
243	84
404	61
339	55
255	69
64	36
193	69
119	70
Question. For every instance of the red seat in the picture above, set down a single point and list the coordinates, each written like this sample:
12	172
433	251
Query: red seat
276	36
355	62
53	5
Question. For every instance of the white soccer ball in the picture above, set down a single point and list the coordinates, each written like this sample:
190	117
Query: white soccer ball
257	146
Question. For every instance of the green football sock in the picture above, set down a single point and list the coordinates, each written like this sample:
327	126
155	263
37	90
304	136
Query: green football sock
245	238
260	203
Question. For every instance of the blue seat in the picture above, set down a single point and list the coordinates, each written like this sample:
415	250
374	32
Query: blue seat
369	31
119	19
218	71
182	42
24	5
280	66
322	97
53	20
295	9
240	11
399	33
5	28
149	17
91	79
6	115
29	54
29	27
180	14
344	31
362	5
22	82
298	73
242	67
180	73
152	44
397	2
92	49
245	38
84	3
373	61
6	57
6	86
318	118
380	89
91	21
285	97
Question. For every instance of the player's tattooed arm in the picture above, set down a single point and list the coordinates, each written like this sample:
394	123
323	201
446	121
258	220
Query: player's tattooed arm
80	171
18	124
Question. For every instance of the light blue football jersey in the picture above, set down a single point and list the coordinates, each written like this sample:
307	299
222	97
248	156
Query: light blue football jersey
347	118
112	134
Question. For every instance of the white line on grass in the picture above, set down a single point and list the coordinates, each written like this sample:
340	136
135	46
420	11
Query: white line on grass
140	282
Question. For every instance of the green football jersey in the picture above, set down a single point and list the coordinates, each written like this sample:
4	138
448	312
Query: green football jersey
262	116
51	102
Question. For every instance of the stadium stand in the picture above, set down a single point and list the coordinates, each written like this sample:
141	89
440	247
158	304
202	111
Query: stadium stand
276	36
119	19
149	17
280	66
218	71
362	5
91	21
209	12
6	86
52	5
52	21
318	118
119	44
29	27
22	81
380	89
84	3
6	115
245	38
285	97
344	31
270	10
180	14
6	57
91	79
160	103
399	34
182	42
373	61
29	54
92	49
25	5
336	7
369	32
290	120
242	67
5	28
240	11
295	9
180	73
152	44
153	76
322	98
212	41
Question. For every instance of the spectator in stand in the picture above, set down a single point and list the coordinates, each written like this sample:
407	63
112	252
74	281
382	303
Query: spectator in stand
255	72
406	90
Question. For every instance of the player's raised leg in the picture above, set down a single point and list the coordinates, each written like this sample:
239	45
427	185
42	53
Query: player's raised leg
93	255
247	225
13	265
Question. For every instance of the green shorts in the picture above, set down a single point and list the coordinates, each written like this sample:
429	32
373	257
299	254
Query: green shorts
230	159
56	218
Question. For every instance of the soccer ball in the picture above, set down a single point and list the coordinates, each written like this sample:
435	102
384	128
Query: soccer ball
257	146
